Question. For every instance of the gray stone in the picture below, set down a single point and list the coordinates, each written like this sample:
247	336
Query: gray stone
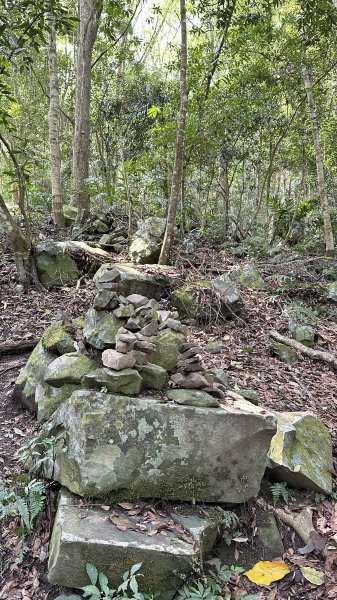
59	338
195	398
213	348
99	226
145	448
190	381
142	358
188	361
30	375
134	324
70	214
332	291
248	277
54	265
137	300
167	353
190	352
95	539
68	368
250	395
49	398
124	312
285	353
147	240
123	347
150	329
192	367
125	381
163	315
176	325
305	334
154	377
219	375
101	328
105	299
301	452
126	336
126	279
116	360
145	346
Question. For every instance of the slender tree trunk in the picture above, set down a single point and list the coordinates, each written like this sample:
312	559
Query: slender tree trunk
89	13
20	245
328	235
54	114
224	193
179	154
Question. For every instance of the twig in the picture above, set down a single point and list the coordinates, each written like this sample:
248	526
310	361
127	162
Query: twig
316	354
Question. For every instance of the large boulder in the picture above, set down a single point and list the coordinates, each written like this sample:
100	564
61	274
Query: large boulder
49	398
146	242
125	381
167	353
166	559
55	266
110	445
203	301
126	279
101	328
248	277
70	214
59	338
31	374
301	452
69	368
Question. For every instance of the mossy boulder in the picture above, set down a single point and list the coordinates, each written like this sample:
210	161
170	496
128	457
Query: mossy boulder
193	398
146	242
305	334
59	338
54	265
69	368
125	381
110	445
70	214
49	398
31	374
219	375
168	343
126	279
301	452
101	328
284	353
154	376
248	277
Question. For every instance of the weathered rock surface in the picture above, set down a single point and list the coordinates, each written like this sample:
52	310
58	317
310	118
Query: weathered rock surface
154	376
126	279
49	398
117	360
31	374
285	353
69	368
248	277
59	338
95	539
101	328
168	343
126	381
190	397
305	334
141	447
301	452
146	242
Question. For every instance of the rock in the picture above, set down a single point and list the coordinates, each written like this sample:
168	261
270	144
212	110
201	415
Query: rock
116	360
193	301
126	336
193	351
32	374
124	312
175	325
250	395
146	242
192	367
332	291
305	334
285	353
49	398
54	265
301	452
142	358
154	376
123	347
145	346
101	328
137	300
188	361
99	226
134	324
105	299
248	277
150	329
190	381
125	381
165	560
219	375
163	315
167	344
70	213
69	368
126	279
58	338
193	398
145	448
213	348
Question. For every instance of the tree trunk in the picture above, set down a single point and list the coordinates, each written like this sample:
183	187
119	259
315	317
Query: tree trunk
20	245
54	111
89	14
328	235
179	154
224	193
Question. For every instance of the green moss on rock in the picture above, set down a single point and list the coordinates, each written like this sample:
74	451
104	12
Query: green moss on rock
31	374
58	338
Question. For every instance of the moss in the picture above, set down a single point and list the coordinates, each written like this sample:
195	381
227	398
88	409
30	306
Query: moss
58	338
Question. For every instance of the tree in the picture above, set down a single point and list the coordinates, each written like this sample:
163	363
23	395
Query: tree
89	14
179	153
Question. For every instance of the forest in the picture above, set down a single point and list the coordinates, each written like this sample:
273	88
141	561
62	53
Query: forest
168	286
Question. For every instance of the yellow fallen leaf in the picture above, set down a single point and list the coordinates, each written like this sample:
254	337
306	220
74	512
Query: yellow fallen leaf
315	577
226	338
266	572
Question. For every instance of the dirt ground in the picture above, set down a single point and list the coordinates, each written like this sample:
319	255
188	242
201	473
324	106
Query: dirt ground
245	355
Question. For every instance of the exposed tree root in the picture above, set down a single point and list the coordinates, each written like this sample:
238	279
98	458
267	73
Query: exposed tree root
316	354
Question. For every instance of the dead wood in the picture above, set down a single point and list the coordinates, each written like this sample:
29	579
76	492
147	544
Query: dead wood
316	354
17	347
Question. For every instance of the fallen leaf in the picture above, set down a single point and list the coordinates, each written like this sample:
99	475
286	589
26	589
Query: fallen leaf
121	524
105	507
153	533
18	432
126	505
266	572
241	540
318	540
313	576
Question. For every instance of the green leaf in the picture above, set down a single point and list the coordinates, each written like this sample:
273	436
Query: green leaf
134	585
91	590
92	572
135	568
103	581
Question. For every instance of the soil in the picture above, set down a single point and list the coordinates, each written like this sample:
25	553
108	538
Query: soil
245	355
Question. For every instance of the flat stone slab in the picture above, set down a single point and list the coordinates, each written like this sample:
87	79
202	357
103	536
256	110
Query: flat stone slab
111	445
168	544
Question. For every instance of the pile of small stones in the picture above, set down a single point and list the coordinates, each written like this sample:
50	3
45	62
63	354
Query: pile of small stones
191	373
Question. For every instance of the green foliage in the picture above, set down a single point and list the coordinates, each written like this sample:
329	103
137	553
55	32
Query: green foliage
301	313
99	585
24	501
279	490
211	586
36	452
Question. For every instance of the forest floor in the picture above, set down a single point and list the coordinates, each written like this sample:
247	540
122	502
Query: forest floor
246	357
